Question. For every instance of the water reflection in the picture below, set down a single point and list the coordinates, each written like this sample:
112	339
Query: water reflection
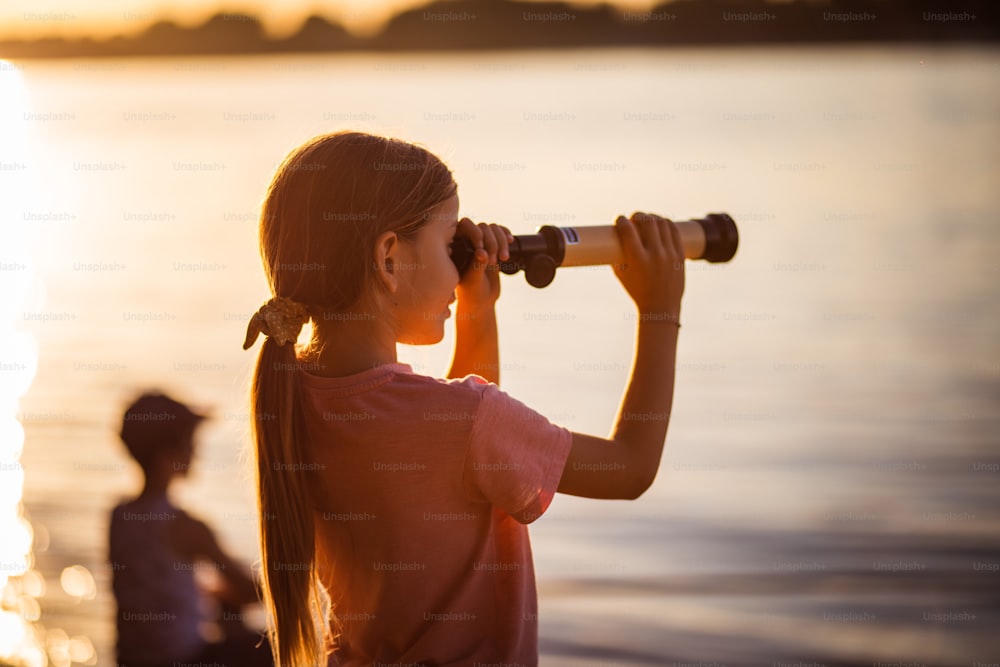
20	584
64	650
23	641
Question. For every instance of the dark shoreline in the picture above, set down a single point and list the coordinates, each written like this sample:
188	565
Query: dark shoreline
456	26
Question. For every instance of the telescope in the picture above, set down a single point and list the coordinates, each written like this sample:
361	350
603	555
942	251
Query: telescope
713	238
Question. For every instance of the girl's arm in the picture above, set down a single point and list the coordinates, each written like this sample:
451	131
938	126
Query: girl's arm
476	341
625	465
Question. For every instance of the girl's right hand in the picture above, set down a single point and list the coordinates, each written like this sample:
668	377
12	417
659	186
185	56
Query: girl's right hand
480	285
653	268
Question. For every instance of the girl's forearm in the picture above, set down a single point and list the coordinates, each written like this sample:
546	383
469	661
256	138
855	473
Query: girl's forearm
476	344
645	411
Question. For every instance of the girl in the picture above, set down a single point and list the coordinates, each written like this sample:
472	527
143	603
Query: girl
394	505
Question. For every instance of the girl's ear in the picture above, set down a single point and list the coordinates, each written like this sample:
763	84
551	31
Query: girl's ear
386	259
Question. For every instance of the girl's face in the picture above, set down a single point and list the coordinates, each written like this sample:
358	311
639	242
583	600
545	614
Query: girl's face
428	278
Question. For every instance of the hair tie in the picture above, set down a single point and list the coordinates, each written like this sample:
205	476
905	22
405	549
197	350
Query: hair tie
280	319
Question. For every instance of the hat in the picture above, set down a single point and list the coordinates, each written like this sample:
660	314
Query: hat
155	422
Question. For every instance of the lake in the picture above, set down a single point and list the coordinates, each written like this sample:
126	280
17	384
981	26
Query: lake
829	489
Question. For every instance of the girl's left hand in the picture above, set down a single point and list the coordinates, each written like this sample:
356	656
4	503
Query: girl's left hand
480	286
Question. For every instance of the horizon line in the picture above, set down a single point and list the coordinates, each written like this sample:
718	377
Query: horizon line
278	25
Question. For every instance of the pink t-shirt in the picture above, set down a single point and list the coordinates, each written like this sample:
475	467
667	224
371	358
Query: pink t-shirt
427	487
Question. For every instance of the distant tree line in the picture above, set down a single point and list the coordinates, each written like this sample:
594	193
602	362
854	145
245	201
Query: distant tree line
511	24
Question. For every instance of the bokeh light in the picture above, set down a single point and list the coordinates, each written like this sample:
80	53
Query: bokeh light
78	582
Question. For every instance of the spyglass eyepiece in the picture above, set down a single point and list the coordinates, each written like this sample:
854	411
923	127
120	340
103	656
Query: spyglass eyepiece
713	238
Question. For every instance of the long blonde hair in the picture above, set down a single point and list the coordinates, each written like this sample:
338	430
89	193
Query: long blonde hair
328	202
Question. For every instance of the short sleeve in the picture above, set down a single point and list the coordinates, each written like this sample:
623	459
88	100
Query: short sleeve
516	456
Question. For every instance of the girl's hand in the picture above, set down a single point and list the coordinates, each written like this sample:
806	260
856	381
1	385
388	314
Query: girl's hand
653	272
480	286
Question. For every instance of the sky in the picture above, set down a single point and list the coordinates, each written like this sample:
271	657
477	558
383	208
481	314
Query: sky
104	18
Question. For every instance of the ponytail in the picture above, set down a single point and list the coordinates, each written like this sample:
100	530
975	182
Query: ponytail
293	594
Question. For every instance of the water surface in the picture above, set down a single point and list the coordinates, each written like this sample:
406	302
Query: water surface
829	487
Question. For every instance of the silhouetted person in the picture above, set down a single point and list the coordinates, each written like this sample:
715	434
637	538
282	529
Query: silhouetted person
155	549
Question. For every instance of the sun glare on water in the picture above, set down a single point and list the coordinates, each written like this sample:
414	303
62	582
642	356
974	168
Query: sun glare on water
20	584
24	641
